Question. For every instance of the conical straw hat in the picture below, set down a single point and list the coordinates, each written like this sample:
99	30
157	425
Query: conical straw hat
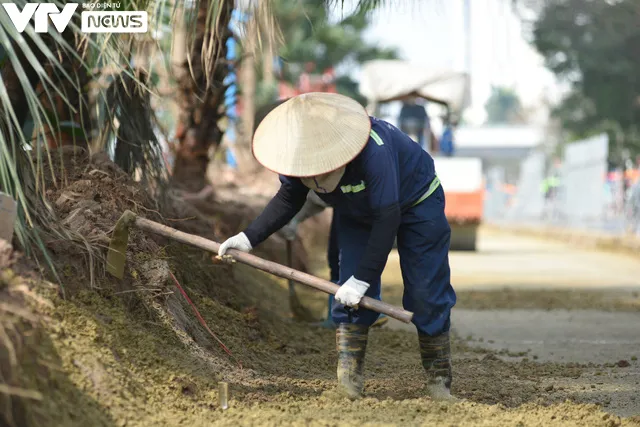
311	134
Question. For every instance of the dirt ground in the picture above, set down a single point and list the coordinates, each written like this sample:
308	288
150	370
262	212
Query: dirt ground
589	315
132	353
510	305
107	366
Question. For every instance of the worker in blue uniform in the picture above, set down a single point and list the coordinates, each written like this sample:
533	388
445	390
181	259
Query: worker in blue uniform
313	206
381	184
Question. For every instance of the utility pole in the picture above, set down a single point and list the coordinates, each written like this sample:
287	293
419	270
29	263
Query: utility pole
467	45
467	35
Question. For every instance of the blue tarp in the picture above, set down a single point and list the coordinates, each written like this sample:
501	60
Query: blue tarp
232	91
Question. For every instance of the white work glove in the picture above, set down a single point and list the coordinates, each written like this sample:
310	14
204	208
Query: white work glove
239	242
351	292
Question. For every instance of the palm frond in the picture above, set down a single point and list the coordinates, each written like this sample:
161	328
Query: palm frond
93	78
361	5
53	69
134	139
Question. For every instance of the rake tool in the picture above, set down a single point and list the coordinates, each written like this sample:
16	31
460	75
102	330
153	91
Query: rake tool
118	247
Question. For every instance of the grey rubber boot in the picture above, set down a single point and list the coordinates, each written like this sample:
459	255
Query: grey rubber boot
436	360
351	344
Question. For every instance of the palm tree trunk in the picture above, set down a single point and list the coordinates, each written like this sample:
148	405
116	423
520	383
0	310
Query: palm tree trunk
247	81
248	84
267	61
202	101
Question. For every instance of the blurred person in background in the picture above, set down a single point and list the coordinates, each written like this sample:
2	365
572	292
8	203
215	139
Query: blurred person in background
633	209
550	187
414	121
447	147
620	192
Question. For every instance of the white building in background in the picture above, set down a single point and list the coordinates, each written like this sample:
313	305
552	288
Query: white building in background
434	32
504	147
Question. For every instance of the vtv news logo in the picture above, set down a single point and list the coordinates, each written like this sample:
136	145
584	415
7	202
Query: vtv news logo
92	21
42	12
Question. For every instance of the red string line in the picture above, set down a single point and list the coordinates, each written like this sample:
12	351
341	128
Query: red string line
202	322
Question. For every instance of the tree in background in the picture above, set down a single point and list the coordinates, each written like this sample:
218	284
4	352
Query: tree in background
595	45
202	88
503	107
310	38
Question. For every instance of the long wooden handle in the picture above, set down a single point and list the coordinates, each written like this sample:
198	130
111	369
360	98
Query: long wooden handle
271	267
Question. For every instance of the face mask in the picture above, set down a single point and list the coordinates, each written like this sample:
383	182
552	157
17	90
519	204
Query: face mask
325	183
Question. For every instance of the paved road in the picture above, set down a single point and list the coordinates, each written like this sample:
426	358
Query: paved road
580	336
522	262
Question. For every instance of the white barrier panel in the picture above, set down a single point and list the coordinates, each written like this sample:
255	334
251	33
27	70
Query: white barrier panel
529	199
585	168
495	200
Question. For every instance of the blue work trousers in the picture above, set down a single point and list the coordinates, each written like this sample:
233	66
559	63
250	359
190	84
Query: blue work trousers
423	245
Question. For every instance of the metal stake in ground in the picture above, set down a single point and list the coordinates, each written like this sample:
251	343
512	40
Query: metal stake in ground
223	395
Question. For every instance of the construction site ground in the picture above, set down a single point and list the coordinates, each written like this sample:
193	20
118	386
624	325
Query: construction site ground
544	301
544	332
